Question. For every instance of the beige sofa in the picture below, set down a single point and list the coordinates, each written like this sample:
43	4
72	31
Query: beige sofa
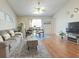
9	41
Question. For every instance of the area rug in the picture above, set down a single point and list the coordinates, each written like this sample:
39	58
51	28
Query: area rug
40	37
22	52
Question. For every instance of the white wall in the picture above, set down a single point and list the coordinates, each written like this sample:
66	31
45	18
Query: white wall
26	20
62	18
4	7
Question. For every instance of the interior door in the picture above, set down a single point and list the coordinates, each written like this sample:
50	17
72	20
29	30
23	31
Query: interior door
48	28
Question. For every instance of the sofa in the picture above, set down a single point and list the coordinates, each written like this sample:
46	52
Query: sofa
9	41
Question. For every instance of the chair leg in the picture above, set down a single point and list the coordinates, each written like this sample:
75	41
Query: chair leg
36	47
28	48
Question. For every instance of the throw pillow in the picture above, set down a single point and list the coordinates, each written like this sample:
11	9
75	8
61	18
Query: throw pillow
6	36
12	33
1	39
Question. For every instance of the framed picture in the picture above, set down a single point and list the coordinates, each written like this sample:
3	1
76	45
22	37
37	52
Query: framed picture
76	10
2	15
8	18
9	22
2	19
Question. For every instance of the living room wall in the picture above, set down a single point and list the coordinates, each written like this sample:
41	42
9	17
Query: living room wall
5	23
66	15
26	21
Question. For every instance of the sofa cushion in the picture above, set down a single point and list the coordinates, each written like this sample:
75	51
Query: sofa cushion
12	33
6	36
1	39
19	34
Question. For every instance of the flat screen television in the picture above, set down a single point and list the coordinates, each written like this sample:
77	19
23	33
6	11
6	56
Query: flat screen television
73	27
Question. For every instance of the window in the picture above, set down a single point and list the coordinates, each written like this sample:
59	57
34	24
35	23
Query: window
37	22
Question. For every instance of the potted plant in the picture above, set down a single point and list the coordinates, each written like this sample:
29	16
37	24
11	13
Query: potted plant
19	28
62	34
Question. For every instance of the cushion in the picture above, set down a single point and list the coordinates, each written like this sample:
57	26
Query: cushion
1	39
18	33
12	33
6	36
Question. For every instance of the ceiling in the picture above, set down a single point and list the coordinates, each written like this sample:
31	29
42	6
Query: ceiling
25	7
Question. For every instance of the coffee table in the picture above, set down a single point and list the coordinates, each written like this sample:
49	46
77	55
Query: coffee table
31	43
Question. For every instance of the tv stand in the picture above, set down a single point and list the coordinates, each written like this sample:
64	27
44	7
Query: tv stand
73	31
73	37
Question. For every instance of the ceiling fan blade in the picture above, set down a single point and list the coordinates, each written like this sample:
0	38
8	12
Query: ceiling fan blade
43	10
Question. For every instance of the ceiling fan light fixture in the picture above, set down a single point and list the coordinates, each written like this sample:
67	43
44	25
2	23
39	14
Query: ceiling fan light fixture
39	10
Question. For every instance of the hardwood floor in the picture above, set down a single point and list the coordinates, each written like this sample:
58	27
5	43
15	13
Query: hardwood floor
59	48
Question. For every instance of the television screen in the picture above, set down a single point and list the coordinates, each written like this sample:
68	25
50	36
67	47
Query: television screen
73	27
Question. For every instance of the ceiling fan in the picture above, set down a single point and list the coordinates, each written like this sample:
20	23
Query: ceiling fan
38	9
